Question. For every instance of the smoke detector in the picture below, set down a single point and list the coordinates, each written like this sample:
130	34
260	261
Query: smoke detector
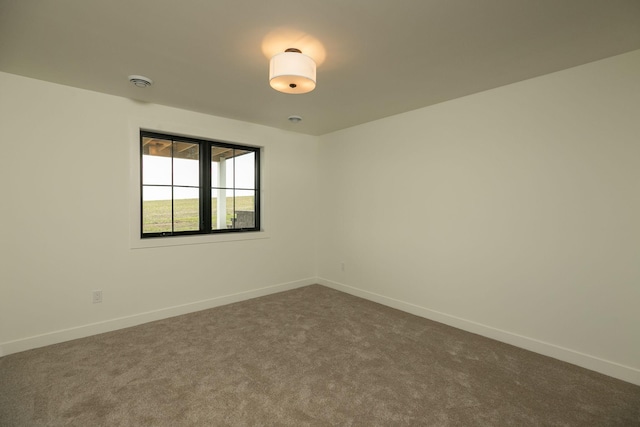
140	81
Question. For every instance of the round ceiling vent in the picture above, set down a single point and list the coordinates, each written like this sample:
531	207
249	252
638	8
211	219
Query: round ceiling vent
294	119
140	81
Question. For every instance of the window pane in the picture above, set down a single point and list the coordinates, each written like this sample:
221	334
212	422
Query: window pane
220	159
186	165
186	150
245	169
220	152
156	209
244	202
186	209
156	161
156	147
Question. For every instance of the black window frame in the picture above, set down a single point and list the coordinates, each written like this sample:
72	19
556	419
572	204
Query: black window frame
205	188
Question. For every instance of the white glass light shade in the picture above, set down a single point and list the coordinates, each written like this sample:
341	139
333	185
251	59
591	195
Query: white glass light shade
292	72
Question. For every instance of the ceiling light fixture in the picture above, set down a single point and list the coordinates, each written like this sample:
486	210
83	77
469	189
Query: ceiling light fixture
140	81
292	72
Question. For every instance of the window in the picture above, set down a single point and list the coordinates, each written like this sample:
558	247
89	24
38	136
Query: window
192	186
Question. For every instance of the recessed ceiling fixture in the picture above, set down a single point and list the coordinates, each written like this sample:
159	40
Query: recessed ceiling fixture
292	72
140	81
294	119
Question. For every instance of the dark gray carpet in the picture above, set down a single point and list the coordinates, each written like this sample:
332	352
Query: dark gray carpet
306	357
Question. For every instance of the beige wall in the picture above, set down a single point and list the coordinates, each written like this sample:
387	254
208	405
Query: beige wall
67	178
514	213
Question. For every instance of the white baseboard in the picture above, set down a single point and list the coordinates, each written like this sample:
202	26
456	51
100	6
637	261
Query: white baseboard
625	373
612	369
59	336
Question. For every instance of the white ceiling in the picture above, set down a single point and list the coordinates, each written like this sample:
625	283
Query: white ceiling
382	57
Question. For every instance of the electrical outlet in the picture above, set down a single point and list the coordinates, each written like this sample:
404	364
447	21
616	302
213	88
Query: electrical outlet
96	297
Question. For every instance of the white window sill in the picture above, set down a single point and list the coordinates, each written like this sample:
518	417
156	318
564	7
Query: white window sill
201	239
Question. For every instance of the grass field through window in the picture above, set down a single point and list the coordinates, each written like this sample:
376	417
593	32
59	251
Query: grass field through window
157	213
